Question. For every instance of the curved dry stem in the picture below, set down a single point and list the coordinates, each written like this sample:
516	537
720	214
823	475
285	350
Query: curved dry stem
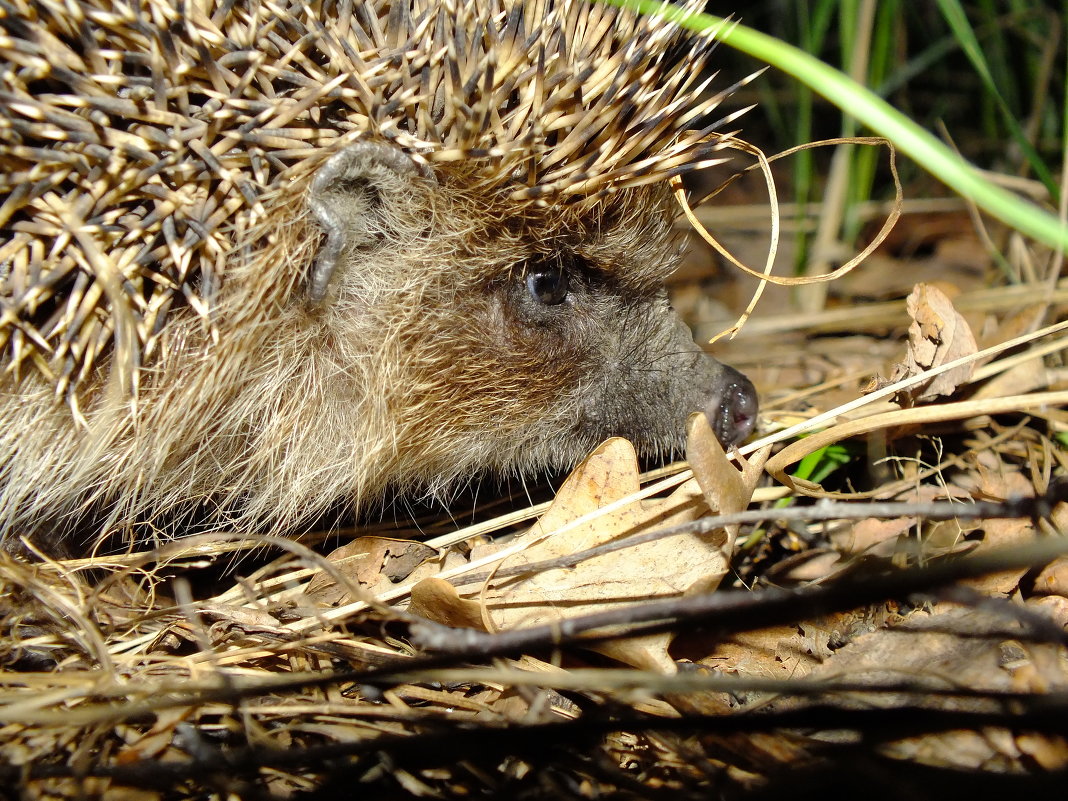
763	162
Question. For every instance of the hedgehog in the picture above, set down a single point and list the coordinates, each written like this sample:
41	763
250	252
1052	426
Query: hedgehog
261	258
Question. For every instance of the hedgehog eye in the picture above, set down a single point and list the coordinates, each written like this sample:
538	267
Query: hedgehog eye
548	285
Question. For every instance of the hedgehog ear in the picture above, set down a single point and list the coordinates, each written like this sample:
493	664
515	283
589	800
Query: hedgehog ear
346	195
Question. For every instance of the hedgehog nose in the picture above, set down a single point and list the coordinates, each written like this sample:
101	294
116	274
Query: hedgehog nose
733	408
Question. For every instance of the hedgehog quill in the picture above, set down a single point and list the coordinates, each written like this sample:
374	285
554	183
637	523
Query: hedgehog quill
259	258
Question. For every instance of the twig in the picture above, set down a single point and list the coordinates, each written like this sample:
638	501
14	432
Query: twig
1034	508
1045	713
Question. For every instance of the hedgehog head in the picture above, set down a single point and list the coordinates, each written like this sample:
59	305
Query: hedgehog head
149	147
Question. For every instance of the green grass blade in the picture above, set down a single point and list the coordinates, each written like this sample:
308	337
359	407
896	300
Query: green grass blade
958	23
911	139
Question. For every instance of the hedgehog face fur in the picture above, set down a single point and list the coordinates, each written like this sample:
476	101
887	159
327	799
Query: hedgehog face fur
259	258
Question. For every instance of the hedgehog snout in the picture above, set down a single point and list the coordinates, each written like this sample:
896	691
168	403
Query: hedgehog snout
732	407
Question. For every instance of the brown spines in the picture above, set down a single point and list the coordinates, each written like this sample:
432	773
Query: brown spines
149	149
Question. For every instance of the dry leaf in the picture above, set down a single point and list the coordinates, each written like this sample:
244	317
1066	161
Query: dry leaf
1054	607
658	569
370	563
1021	322
938	334
1030	376
808	567
867	535
725	489
1002	533
437	600
787	651
1053	580
955	648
